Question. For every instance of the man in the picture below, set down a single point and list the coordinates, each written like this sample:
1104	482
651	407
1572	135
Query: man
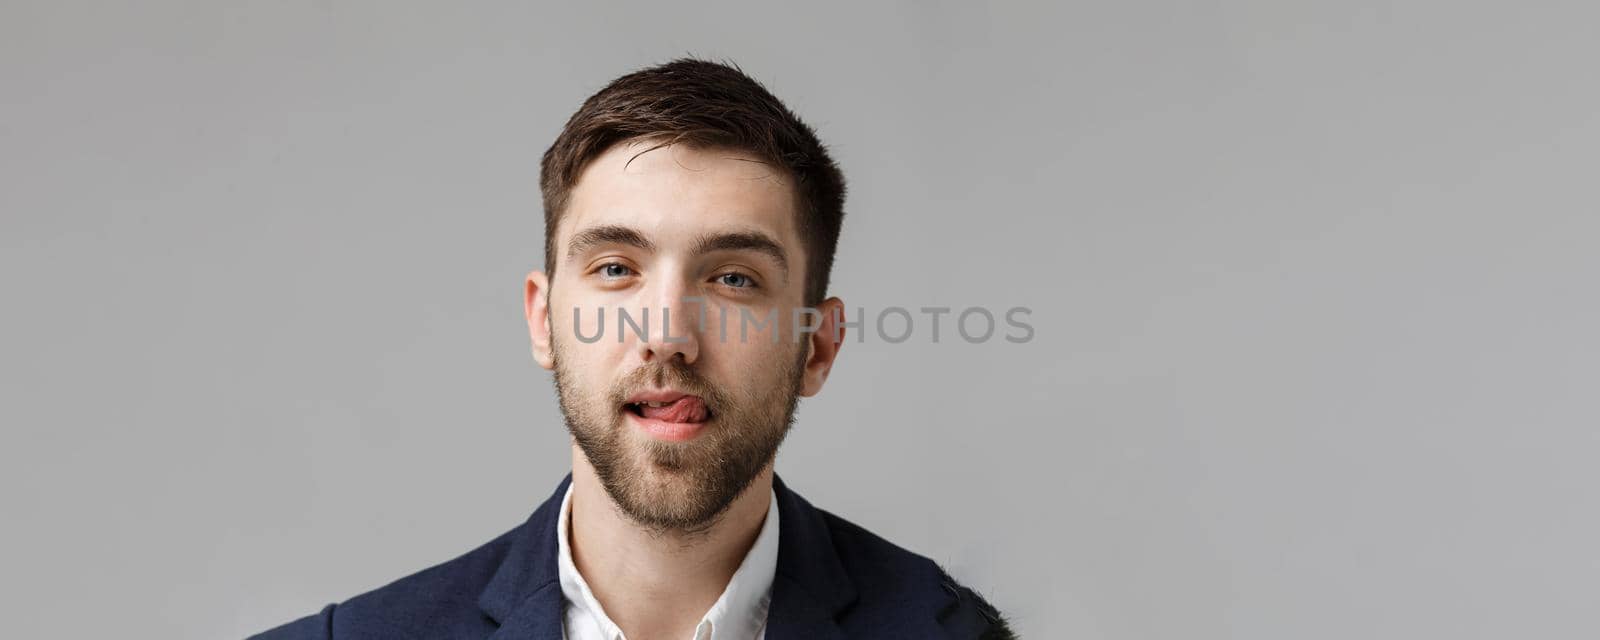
689	193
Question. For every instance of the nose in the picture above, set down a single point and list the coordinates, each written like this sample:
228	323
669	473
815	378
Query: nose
674	329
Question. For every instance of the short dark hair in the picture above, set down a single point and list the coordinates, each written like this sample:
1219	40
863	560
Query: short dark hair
702	104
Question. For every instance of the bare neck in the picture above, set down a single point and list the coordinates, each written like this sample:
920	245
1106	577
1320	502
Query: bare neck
654	585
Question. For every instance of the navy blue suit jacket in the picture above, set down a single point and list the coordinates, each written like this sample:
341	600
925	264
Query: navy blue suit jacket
834	580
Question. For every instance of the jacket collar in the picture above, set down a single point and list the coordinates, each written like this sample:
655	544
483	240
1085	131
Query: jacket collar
524	595
810	589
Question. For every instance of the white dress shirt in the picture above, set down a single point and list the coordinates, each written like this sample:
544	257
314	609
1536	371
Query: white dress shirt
740	613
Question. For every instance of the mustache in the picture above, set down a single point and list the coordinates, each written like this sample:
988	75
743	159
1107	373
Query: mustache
671	372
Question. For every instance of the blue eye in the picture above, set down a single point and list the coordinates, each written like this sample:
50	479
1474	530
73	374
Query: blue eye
736	280
615	270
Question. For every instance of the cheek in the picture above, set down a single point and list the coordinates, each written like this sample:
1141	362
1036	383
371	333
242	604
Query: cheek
742	327
561	313
749	365
587	361
583	325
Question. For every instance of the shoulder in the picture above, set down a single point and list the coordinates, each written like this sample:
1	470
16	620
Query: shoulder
884	573
440	601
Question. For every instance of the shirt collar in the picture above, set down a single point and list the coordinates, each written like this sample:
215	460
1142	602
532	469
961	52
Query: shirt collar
738	614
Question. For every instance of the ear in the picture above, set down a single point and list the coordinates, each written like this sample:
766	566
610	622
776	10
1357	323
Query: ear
823	346
536	303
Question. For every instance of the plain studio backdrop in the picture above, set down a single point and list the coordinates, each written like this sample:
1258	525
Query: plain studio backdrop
1314	291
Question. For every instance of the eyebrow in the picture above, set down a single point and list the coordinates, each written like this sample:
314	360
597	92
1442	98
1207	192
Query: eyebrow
743	241
608	234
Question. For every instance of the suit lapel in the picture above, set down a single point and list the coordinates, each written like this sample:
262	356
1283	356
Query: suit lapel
524	596
811	586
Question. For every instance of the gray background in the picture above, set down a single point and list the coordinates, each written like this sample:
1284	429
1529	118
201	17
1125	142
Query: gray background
1313	284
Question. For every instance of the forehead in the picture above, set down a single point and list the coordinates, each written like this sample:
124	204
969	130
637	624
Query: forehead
679	190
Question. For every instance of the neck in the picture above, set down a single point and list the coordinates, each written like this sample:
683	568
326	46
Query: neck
656	584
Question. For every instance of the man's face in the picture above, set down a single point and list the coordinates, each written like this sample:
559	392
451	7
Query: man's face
676	426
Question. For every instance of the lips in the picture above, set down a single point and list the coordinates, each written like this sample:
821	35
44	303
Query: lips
668	406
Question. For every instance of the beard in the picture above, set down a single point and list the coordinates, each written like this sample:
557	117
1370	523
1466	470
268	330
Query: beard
680	487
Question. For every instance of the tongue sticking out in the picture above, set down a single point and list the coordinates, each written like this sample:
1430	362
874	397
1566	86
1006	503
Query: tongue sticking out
685	409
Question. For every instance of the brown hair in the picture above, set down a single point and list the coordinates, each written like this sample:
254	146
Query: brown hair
702	104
